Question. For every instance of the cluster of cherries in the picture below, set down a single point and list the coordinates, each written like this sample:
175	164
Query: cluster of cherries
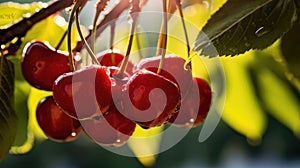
106	104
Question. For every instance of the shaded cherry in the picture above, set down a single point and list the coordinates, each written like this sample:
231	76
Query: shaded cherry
173	69
55	123
151	98
195	107
84	93
41	64
114	58
112	129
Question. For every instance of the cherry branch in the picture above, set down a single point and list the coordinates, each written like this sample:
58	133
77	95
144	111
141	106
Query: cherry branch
22	26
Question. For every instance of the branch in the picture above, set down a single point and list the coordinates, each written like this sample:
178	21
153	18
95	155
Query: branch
21	27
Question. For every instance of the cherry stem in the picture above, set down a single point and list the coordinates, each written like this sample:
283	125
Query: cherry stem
179	6
66	32
100	6
88	48
93	41
69	32
138	43
162	43
61	40
134	15
112	34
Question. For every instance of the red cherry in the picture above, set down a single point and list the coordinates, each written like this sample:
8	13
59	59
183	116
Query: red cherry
113	58
173	70
55	123
151	98
84	93
41	64
113	129
195	107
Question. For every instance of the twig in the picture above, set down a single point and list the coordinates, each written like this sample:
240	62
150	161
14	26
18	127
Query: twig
21	27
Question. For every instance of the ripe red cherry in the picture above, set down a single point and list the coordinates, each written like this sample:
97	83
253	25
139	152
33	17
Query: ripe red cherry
41	64
85	93
173	70
112	129
55	123
113	58
151	98
195	107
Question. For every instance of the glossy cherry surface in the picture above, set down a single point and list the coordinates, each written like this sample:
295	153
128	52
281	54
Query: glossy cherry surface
55	123
84	93
41	64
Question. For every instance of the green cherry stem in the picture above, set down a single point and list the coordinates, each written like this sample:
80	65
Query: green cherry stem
138	43
65	33
162	43
135	9
112	35
88	48
179	6
69	32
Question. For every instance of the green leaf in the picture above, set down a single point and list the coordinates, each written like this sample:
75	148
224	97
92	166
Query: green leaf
287	110
8	118
241	25
290	47
242	110
22	91
279	98
11	11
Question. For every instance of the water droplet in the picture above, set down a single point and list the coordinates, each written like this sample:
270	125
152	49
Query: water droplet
261	31
37	10
26	15
192	120
73	134
44	5
68	10
113	82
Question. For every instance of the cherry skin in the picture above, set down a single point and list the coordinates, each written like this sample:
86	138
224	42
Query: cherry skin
112	129
195	107
55	123
41	64
173	69
113	58
151	98
85	93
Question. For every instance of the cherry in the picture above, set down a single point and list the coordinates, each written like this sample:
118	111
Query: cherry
195	107
113	58
55	123
112	129
41	64
151	98
84	93
173	70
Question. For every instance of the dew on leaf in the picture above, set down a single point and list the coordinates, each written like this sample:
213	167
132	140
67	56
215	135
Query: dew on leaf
261	31
26	15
